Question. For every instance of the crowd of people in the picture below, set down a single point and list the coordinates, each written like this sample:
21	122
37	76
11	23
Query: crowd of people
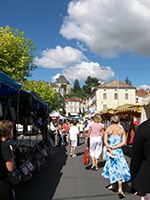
68	133
113	138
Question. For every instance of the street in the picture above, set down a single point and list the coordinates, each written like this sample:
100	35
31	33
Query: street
64	178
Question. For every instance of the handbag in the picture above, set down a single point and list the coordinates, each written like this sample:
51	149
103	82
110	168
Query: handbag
86	156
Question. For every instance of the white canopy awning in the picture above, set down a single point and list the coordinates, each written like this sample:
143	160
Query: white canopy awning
146	100
55	114
145	108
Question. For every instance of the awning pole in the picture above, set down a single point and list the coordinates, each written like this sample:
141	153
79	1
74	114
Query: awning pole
30	131
17	117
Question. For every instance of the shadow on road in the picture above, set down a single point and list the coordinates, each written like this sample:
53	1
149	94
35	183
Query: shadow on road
44	183
100	165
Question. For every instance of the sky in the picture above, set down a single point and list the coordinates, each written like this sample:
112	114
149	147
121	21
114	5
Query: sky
103	39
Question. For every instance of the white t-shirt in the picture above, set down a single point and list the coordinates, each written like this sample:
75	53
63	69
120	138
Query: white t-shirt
73	132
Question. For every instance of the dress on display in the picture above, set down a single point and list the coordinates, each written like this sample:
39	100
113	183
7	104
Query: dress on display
116	168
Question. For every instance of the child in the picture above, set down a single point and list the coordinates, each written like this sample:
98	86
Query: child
73	138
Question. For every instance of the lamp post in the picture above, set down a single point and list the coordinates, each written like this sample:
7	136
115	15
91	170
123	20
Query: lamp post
62	92
109	69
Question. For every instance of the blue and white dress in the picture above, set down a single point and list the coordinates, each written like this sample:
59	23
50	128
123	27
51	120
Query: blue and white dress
116	168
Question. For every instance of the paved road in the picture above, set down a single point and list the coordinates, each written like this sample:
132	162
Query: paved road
64	178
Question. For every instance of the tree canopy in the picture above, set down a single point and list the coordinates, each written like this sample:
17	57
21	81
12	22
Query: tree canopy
76	86
90	82
127	81
47	93
16	54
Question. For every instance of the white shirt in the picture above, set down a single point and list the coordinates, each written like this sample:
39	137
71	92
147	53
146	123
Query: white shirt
73	132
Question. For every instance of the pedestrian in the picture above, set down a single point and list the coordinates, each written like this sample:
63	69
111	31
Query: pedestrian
88	126
74	131
85	128
116	168
96	135
70	124
65	127
60	133
81	128
140	161
6	159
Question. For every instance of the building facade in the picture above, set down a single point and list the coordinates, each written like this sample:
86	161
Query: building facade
140	94
61	83
74	107
110	95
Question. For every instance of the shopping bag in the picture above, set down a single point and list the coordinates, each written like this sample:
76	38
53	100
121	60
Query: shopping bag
86	156
104	150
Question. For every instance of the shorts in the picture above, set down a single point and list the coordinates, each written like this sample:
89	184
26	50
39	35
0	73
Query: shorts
74	143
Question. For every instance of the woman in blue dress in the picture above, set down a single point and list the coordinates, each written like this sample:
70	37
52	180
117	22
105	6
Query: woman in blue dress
116	168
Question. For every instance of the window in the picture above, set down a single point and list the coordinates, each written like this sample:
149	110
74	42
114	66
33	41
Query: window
126	95
104	106
104	96
115	96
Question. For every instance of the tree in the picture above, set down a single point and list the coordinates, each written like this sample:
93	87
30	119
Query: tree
76	86
16	57
47	93
127	81
90	82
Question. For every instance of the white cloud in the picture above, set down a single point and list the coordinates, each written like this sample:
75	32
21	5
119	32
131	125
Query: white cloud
83	70
60	57
110	27
145	87
80	46
55	77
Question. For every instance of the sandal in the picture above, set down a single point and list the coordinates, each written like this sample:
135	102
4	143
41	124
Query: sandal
121	194
93	167
111	187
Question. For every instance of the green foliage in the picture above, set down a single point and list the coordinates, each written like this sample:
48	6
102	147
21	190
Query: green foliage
76	86
80	93
16	57
86	89
90	82
127	81
64	86
47	93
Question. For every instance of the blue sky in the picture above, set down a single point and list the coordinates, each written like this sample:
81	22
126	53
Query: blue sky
78	38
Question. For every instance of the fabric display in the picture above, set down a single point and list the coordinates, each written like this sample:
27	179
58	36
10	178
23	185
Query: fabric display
15	176
29	162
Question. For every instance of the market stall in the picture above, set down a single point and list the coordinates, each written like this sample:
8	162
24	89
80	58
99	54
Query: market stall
129	116
107	113
129	109
24	107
